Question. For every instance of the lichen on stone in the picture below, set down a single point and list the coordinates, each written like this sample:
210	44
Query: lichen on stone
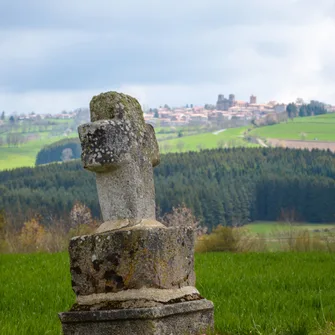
111	105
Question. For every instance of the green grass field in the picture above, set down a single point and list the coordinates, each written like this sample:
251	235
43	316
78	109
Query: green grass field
232	137
25	155
265	228
265	293
320	127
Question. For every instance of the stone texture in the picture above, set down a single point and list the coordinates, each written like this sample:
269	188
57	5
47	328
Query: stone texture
129	224
136	298
122	150
151	257
186	318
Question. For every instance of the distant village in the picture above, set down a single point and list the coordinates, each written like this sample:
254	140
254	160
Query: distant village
225	109
237	112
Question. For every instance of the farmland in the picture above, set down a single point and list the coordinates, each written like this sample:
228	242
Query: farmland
305	132
36	137
232	137
25	154
315	128
264	228
265	293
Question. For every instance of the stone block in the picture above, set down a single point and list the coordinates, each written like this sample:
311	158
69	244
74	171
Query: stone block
123	161
140	257
186	318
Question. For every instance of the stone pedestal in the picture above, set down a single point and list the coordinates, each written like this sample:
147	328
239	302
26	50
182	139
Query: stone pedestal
185	318
133	258
136	280
134	276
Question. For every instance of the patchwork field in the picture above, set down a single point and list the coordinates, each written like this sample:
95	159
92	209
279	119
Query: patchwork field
25	154
307	132
265	293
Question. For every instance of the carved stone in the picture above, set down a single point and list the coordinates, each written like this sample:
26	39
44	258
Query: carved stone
133	275
122	150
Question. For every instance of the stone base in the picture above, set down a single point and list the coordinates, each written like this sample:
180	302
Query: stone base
185	318
142	256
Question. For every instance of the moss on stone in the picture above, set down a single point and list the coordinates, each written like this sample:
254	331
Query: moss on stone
110	105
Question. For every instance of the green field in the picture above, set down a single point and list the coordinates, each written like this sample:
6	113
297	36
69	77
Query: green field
320	128
232	137
265	293
265	228
25	155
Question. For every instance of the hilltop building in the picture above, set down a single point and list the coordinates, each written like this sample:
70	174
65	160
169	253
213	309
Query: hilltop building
224	104
253	100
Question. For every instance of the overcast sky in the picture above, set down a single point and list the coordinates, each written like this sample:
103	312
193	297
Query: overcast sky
57	54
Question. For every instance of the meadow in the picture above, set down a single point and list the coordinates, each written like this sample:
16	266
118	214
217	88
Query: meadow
25	154
315	128
232	137
253	293
268	227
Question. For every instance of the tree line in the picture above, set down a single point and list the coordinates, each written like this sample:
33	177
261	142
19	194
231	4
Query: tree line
63	150
313	108
222	187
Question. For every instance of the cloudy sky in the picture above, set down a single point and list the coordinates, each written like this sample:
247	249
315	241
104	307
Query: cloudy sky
56	55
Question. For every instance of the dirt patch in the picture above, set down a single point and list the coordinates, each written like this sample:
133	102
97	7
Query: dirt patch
295	144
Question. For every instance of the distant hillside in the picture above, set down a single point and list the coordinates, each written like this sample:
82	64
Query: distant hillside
224	138
32	137
314	128
44	148
63	150
222	186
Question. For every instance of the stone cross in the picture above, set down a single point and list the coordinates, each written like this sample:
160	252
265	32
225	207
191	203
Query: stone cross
139	279
122	150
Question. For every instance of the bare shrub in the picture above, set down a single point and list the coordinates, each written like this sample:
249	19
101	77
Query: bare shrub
56	238
298	240
230	239
183	216
67	154
80	215
81	220
32	236
328	238
3	232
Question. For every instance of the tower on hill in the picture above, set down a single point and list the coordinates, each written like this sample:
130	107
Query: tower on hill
224	104
253	99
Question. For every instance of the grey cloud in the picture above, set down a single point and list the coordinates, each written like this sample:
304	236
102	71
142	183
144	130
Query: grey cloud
151	15
82	45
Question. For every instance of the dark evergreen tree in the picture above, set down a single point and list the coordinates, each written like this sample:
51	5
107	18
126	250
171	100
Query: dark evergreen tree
222	186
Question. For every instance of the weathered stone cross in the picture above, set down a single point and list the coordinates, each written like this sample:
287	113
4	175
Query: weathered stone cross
122	150
133	275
